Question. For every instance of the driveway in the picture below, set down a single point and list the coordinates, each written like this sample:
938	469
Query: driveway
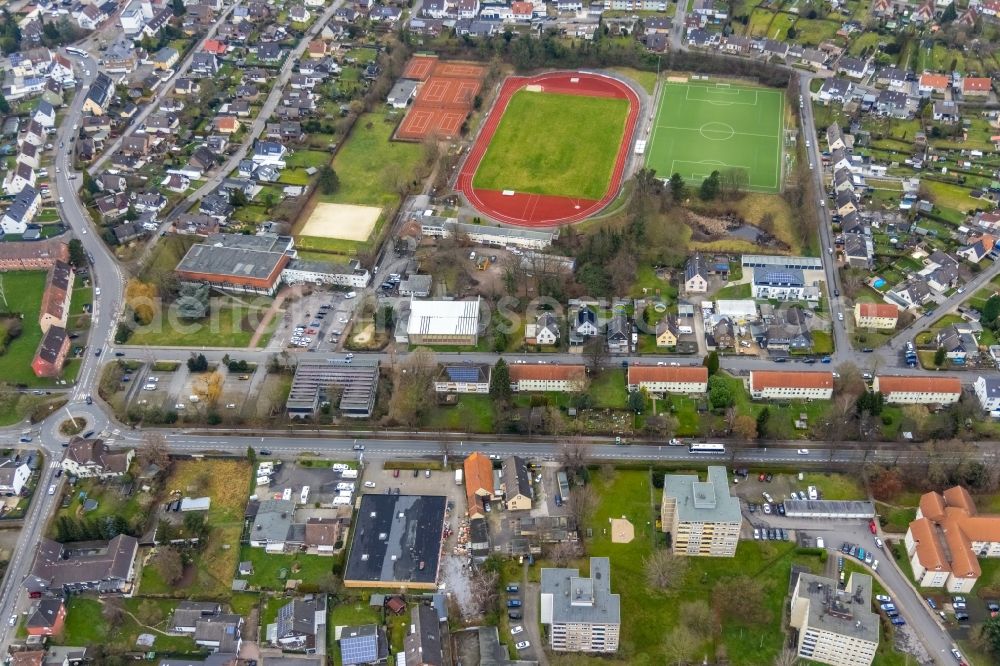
531	621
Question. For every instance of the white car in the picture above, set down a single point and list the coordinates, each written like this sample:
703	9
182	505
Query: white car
369	484
515	630
803	452
878	543
523	645
52	489
13	620
840	316
767	509
875	565
883	598
756	533
62	200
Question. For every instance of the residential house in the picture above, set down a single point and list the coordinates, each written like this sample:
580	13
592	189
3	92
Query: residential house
479	486
269	153
323	535
14	474
696	274
618	334
667	332
586	322
881	316
422	646
978	247
47	618
516	486
835	89
959	344
99	95
544	332
976	87
363	645
781	284
300	625
662	379
463	378
790	385
220	633
987	390
102	567
54	310
918	390
946	111
929	84
51	354
723	335
530	377
856	68
18	178
91	458
21	212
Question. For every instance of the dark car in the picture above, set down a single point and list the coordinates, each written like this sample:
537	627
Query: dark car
961	617
769	477
97	353
751	507
416	473
515	615
119	353
90	400
265	452
781	509
88	434
513	603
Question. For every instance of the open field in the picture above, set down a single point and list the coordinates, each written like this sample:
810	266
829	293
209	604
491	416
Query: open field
23	291
341	222
211	573
370	165
270	571
231	323
702	128
573	157
653	614
85	625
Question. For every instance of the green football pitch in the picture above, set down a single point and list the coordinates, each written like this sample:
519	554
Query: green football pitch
555	144
706	127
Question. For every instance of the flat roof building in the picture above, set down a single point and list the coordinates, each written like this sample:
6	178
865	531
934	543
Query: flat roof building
443	322
357	380
835	626
236	262
582	613
702	518
396	542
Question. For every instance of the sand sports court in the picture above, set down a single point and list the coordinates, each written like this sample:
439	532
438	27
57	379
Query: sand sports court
343	221
622	530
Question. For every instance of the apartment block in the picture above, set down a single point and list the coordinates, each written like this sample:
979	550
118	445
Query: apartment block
918	390
702	517
668	379
835	626
778	385
582	613
876	315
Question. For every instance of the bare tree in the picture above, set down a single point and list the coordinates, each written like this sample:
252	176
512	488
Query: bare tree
582	504
680	645
113	611
700	619
564	552
154	450
664	570
596	353
167	562
573	454
483	587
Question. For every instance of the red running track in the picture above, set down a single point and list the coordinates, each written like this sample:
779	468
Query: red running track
539	210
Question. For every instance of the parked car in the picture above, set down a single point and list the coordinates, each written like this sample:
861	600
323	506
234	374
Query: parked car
512	589
523	645
513	603
516	629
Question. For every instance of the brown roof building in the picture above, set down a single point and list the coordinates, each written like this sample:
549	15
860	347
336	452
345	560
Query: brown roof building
781	385
322	535
52	352
87	458
918	389
668	379
947	537
32	256
105	567
548	377
55	299
478	482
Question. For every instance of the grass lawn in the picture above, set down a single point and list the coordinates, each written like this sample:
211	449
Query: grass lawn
822	342
227	482
608	390
110	502
834	486
701	128
270	571
735	291
23	291
368	162
308	158
165	256
473	413
349	612
652	614
86	626
645	79
294	176
948	195
573	157
230	324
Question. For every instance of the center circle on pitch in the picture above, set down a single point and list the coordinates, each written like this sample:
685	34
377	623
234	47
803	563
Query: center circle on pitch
717	131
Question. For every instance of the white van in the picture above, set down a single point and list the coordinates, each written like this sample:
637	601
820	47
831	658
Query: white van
813	494
820	543
350	294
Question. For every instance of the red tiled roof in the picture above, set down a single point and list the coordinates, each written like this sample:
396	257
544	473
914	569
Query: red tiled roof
546	372
763	379
934	80
880	310
977	84
478	476
918	384
656	373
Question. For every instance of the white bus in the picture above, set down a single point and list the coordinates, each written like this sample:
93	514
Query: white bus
707	448
77	52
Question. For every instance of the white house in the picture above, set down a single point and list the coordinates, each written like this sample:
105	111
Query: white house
13	476
668	379
18	178
269	153
988	391
21	212
91	458
779	385
133	18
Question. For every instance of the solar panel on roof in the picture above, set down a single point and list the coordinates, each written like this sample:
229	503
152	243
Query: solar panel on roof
358	649
460	374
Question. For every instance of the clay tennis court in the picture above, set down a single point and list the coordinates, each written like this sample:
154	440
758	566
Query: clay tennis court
541	210
420	67
443	100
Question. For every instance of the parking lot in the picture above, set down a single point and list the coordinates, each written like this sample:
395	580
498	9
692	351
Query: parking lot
316	321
